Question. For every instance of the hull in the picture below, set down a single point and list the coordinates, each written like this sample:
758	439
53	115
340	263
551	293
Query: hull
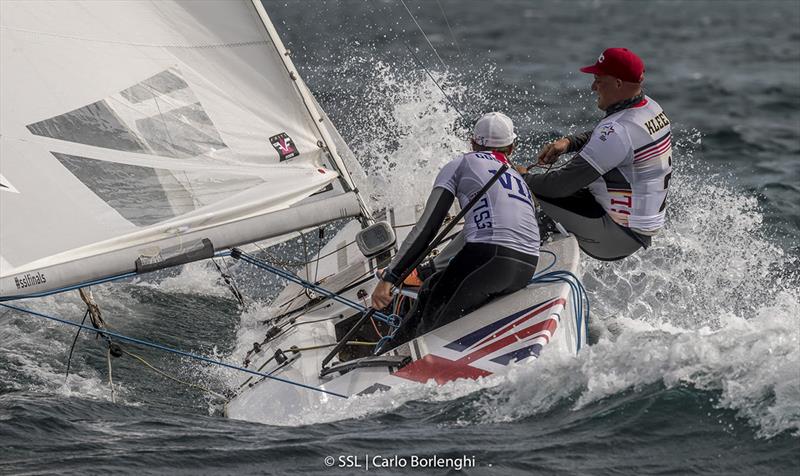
535	320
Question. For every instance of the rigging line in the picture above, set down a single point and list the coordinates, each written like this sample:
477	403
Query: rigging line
235	286
171	350
422	65
452	35
296	350
238	254
72	347
305	253
578	291
555	260
228	278
423	34
110	380
320	236
419	62
320	302
166	375
430	75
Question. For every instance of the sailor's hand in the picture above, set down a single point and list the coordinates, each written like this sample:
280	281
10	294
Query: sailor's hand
382	295
521	169
550	153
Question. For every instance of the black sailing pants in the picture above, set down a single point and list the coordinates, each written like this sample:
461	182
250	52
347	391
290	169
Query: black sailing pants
476	275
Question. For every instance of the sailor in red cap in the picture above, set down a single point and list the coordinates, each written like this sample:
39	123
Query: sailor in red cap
612	194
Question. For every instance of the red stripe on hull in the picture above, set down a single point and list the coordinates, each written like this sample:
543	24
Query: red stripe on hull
440	369
549	325
444	370
535	312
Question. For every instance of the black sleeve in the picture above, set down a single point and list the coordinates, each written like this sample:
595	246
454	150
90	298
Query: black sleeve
421	235
577	141
577	174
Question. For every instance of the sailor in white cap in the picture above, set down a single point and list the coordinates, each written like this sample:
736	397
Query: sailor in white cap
498	249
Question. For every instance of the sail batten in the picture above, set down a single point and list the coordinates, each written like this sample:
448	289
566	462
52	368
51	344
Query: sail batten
136	128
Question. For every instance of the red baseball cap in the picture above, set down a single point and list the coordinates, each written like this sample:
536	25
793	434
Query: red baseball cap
620	63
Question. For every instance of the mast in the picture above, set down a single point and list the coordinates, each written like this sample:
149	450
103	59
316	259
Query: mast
308	102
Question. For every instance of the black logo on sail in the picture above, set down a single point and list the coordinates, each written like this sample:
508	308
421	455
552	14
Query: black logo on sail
284	145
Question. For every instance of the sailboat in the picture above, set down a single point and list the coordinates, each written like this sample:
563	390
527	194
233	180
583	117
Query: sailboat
139	136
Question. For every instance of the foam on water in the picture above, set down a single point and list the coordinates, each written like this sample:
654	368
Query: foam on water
36	352
201	277
752	364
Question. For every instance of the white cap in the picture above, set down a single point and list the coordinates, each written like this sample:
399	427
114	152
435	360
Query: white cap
494	129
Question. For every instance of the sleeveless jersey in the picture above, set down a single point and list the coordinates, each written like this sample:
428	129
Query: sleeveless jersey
504	215
632	149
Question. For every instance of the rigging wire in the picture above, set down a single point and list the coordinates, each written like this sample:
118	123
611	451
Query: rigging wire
430	75
320	237
392	320
423	34
170	350
548	168
72	347
452	35
422	65
228	278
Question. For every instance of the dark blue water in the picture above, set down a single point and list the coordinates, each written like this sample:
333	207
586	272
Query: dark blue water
696	363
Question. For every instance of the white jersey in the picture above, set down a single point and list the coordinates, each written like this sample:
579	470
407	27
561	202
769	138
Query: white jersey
504	215
632	149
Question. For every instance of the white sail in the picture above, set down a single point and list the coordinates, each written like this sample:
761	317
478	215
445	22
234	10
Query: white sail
132	132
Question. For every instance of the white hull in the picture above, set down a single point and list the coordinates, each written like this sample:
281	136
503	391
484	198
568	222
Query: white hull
539	318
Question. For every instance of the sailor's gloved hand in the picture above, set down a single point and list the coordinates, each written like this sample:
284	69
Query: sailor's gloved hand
382	295
550	153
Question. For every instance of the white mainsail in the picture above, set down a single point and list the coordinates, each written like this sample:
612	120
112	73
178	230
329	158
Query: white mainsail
146	130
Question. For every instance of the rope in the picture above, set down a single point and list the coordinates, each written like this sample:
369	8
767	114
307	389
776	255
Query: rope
72	347
228	278
166	375
320	236
110	380
578	292
171	350
555	259
392	320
